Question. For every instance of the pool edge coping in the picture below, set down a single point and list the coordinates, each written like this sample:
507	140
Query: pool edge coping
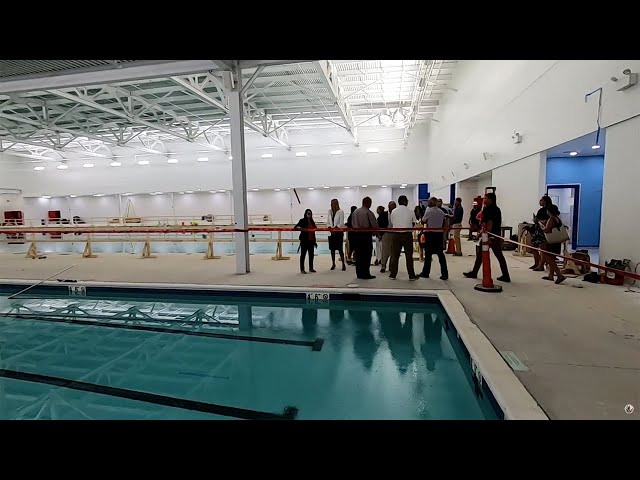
514	399
511	395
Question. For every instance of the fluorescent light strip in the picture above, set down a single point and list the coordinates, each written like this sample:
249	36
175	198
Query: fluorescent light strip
38	169
172	160
336	152
301	154
266	155
115	164
203	159
143	162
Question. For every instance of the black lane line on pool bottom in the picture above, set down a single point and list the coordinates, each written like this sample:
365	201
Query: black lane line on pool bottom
315	345
289	412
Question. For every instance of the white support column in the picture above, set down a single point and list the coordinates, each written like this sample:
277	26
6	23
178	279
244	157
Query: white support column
239	177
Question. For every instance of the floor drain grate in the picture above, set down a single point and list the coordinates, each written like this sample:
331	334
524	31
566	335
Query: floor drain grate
513	361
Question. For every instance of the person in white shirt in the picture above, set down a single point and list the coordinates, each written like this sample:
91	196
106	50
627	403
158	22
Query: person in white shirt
402	217
335	219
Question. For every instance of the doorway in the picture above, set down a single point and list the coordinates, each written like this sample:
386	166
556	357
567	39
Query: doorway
567	199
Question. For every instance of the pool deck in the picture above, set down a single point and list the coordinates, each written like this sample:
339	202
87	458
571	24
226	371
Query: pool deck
581	345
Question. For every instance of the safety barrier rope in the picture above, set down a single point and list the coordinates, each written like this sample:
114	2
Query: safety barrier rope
165	230
573	259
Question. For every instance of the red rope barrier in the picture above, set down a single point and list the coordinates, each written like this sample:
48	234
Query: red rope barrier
67	231
575	260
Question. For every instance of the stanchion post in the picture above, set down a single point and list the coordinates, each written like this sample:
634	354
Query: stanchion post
88	252
487	284
279	255
33	251
210	255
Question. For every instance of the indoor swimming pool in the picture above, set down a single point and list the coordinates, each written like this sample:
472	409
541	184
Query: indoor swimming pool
75	352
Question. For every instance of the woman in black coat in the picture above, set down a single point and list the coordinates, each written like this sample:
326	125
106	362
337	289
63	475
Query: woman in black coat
307	239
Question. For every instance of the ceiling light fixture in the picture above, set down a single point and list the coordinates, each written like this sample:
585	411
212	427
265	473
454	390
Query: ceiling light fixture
573	154
203	159
595	147
347	187
46	197
255	189
301	154
276	189
99	195
62	166
230	157
181	193
326	187
72	196
372	150
402	186
115	164
222	191
189	191
172	160
143	162
38	169
384	186
311	188
336	152
365	186
266	155
88	165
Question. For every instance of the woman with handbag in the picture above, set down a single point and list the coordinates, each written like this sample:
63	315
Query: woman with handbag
537	235
307	239
556	234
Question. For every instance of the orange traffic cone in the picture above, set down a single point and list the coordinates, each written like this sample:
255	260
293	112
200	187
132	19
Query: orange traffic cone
451	247
487	284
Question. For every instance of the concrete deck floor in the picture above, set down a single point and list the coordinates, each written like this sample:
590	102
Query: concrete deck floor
581	345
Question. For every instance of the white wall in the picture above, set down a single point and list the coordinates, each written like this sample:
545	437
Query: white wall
444	193
282	206
620	229
391	166
543	99
519	186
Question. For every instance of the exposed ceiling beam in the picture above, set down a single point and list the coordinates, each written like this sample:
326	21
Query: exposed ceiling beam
201	94
330	81
110	74
134	120
246	64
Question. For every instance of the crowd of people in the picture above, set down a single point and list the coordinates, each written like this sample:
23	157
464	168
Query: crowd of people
438	220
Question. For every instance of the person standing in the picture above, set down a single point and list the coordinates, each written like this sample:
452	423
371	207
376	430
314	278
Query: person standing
434	219
350	244
402	217
335	219
474	222
363	218
456	225
491	223
383	222
537	234
307	239
552	249
389	238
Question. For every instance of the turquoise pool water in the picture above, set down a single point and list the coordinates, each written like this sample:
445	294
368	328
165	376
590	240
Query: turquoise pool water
227	357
